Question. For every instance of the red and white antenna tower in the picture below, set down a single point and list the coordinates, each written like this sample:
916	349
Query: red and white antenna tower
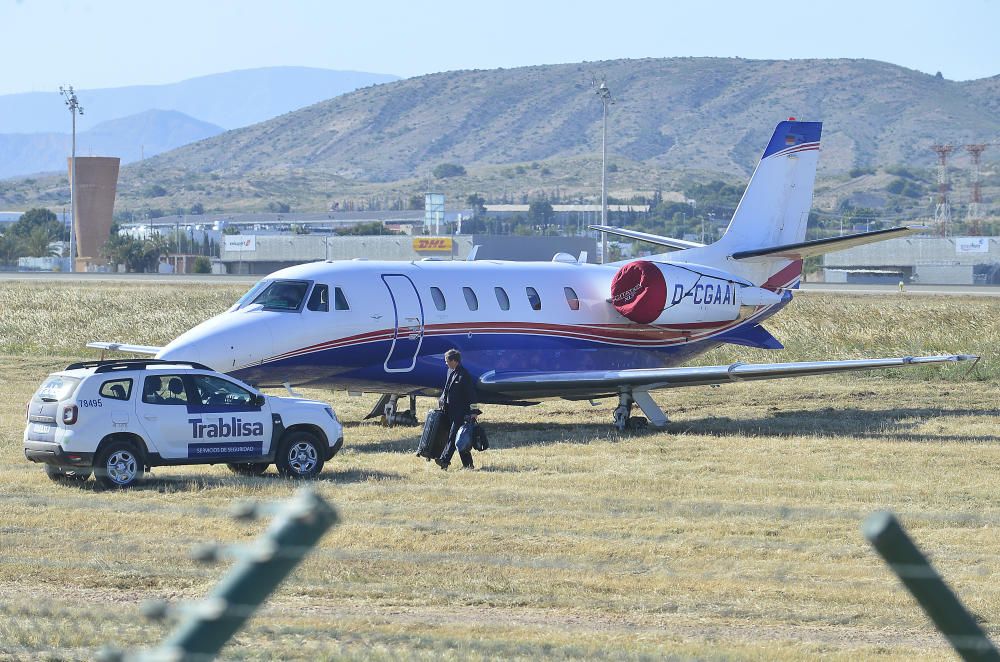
942	212
974	215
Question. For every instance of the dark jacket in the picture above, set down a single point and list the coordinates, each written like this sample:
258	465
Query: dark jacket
459	393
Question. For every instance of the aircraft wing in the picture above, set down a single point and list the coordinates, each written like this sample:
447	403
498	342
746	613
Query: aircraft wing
122	347
598	383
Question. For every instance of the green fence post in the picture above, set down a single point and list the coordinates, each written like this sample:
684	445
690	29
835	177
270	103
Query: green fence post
297	527
950	616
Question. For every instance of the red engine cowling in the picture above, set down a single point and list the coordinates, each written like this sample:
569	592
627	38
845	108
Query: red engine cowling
661	293
639	291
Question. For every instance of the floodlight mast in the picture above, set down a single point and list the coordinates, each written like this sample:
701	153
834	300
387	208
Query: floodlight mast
74	107
605	96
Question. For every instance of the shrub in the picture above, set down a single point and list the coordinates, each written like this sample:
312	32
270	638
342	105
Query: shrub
202	265
445	170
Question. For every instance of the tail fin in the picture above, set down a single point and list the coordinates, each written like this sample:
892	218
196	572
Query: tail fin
775	207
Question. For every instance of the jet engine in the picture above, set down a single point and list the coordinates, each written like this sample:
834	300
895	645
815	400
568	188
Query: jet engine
679	294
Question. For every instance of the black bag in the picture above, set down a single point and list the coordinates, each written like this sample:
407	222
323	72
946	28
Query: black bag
463	441
434	436
479	440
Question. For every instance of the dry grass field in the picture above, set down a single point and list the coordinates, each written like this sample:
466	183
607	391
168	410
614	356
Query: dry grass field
732	534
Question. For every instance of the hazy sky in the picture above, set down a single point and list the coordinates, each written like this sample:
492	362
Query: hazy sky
112	43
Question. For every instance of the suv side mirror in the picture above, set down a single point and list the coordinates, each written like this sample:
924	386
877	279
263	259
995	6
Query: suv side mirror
258	400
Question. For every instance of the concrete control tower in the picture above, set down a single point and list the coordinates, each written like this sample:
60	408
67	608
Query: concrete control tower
95	207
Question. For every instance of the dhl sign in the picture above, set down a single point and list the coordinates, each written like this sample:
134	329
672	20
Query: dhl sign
432	244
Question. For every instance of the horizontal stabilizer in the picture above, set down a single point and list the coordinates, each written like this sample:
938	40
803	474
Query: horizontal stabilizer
122	347
678	244
610	382
806	249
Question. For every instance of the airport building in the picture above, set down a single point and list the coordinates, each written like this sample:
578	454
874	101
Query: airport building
923	260
262	254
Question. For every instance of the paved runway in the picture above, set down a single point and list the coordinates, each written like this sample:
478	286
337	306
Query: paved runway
951	290
187	279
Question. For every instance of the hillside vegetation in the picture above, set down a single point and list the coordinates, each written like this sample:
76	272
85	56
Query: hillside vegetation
673	119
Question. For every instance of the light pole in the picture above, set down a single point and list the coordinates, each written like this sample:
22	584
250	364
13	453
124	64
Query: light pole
74	107
605	95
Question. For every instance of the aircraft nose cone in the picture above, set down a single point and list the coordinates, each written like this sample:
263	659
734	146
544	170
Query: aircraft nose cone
181	351
225	343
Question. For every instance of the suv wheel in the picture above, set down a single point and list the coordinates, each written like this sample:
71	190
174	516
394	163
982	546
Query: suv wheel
300	456
66	473
118	465
248	468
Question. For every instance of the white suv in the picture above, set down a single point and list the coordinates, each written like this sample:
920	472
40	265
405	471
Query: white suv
117	418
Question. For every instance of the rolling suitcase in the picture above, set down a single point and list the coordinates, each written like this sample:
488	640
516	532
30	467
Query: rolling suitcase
434	436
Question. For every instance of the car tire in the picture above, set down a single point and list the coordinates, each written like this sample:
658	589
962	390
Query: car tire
248	468
118	465
66	474
299	456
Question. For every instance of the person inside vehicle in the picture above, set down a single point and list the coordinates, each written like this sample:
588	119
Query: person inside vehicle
175	392
456	401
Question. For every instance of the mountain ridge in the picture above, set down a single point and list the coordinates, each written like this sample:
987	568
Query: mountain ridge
129	138
259	94
697	113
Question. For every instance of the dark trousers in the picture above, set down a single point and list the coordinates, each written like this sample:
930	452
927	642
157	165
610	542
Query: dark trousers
449	448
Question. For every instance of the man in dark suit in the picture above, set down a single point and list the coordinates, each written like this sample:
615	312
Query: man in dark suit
456	401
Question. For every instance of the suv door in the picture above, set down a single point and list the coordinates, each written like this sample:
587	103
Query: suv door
163	414
200	417
227	420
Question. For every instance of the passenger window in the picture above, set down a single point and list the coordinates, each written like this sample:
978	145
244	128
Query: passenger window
571	298
221	392
339	300
438	297
319	300
502	298
533	298
118	389
470	298
164	390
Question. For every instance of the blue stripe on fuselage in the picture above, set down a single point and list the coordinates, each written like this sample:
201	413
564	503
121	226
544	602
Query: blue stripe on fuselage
360	366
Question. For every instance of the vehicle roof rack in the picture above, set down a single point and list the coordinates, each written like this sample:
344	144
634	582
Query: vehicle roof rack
111	365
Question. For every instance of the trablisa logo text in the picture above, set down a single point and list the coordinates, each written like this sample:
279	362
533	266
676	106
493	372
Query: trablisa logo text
234	427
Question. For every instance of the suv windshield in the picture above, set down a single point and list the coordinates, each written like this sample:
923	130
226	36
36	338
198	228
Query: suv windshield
283	294
56	388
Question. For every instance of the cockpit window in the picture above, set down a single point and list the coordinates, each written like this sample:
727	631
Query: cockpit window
283	295
250	295
339	300
319	300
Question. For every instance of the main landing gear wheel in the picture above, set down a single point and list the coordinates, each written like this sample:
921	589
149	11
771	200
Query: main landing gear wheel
300	456
623	411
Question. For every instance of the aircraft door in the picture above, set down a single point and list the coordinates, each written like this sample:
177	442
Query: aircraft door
409	323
